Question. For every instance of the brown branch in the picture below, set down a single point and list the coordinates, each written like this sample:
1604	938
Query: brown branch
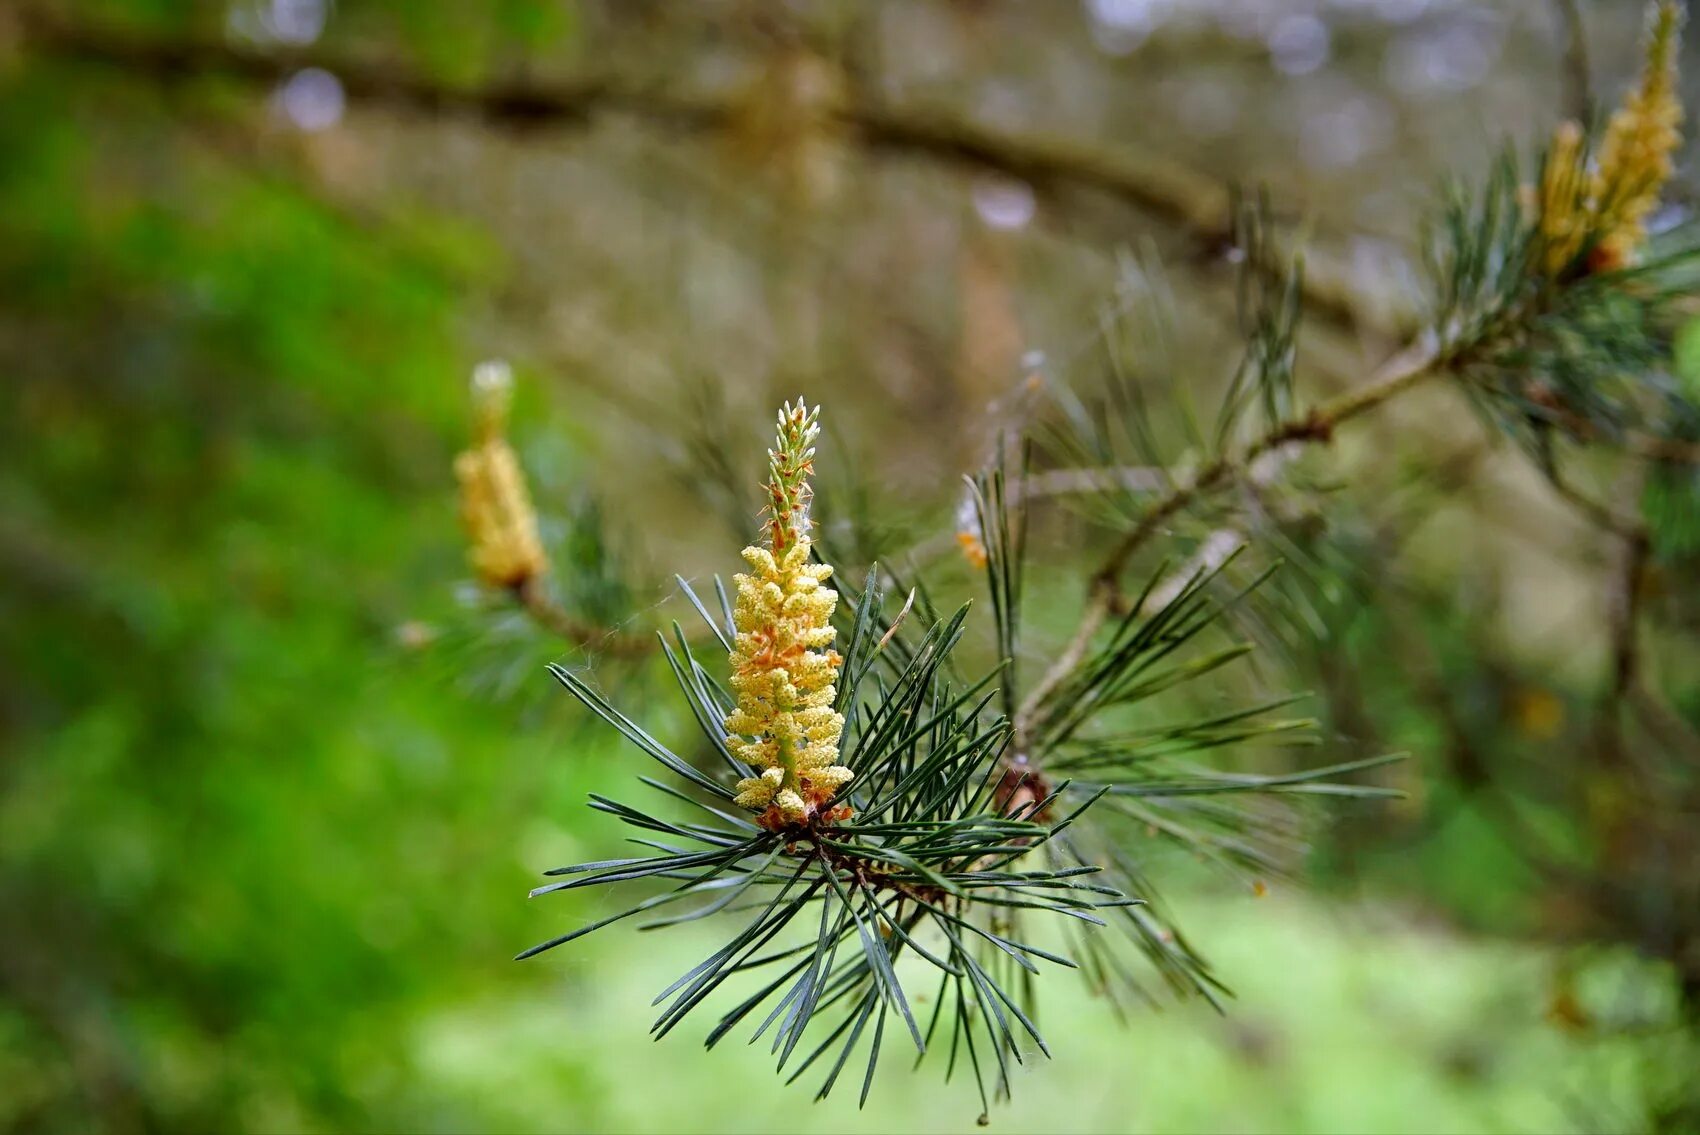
1661	450
1623	614
1198	204
1630	528
534	599
1626	611
1654	448
506	104
1098	606
1399	374
1623	617
1222	543
1201	205
1406	370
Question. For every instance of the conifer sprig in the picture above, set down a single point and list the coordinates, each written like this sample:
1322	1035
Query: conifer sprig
948	844
1557	342
927	856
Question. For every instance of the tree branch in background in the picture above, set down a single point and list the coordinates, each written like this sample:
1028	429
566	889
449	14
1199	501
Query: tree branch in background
1626	590
1626	602
1197	203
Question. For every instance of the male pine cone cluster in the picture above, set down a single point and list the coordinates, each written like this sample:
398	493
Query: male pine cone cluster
1603	208
495	506
783	669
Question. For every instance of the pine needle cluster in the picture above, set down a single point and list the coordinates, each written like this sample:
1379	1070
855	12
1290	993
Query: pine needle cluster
948	849
1554	302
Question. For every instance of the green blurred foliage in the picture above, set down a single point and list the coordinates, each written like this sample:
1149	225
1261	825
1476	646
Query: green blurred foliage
229	418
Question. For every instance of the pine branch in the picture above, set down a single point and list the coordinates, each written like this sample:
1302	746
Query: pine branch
1403	372
1631	529
866	803
1662	450
1624	600
1194	202
534	599
1627	597
1409	368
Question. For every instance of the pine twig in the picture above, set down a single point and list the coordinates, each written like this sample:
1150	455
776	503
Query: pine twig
1399	374
1405	370
1662	450
1624	600
1632	529
534	599
1626	611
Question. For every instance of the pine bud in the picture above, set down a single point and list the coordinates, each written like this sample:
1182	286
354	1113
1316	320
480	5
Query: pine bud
495	504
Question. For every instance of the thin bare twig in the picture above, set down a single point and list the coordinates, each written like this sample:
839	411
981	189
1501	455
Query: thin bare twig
1630	528
1661	450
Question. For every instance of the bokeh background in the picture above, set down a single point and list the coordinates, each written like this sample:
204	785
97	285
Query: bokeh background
276	775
